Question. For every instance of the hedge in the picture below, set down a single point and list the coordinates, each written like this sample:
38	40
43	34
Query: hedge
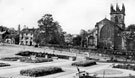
84	63
40	71
4	64
29	53
10	58
36	60
131	67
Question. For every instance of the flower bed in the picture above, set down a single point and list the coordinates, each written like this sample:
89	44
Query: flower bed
40	71
84	63
4	64
26	53
29	53
131	67
36	60
10	58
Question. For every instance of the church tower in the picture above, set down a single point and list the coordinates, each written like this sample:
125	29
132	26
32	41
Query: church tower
118	15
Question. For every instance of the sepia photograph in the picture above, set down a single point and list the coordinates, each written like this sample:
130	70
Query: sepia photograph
67	38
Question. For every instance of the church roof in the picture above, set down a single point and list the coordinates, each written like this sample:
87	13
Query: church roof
107	21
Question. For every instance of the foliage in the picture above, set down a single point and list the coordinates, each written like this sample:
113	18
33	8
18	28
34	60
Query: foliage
50	32
128	66
83	35
10	58
29	53
77	41
36	60
40	71
27	59
4	64
16	39
84	63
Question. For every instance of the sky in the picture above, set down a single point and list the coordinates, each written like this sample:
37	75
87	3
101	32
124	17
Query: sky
72	15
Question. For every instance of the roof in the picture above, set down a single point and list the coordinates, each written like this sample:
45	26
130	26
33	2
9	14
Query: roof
28	30
105	21
131	27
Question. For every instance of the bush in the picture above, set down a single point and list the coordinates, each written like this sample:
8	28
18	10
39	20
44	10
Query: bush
40	71
26	53
84	63
36	60
4	64
131	67
29	53
10	58
88	58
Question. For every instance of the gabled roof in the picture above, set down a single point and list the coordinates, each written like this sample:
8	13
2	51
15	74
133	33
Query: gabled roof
105	21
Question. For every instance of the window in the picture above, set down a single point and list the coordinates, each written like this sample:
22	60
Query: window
21	42
26	42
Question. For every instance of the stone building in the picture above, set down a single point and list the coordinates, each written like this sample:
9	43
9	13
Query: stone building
107	31
129	38
26	36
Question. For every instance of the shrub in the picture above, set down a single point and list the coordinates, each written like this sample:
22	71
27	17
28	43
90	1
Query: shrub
4	64
84	63
36	60
26	53
88	58
40	71
10	58
132	67
29	53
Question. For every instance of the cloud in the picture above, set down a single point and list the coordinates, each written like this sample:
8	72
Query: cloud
73	15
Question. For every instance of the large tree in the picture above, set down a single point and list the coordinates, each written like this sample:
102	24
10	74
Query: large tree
77	40
50	32
83	35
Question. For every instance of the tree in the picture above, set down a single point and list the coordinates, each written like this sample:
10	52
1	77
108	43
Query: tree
37	37
83	35
77	40
50	32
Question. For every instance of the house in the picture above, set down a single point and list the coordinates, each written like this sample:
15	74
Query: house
26	36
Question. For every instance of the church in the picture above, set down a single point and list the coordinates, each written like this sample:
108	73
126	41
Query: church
107	33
